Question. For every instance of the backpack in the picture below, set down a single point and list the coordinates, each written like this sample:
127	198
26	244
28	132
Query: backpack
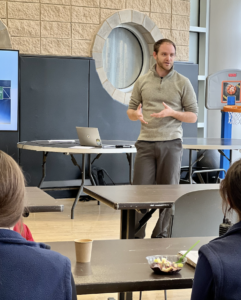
99	176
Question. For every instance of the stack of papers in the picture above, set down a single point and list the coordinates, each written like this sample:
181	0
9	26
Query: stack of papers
192	257
81	147
108	146
61	141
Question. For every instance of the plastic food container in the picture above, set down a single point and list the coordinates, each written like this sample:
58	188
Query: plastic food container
165	264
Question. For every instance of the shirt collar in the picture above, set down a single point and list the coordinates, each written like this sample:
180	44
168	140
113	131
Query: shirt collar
153	69
12	237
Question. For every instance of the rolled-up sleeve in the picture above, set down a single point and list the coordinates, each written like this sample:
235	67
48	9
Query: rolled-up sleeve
136	98
189	99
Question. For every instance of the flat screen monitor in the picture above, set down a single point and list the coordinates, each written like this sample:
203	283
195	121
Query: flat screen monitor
9	85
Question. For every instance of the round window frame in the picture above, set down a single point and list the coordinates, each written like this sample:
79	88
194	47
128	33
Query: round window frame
145	54
147	34
5	41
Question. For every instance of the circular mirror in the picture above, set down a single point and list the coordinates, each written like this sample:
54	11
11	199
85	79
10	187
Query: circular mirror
122	58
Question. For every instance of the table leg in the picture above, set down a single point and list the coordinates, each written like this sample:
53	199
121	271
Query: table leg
145	219
81	187
89	170
130	160
45	154
165	294
190	166
90	173
127	231
131	168
127	226
125	296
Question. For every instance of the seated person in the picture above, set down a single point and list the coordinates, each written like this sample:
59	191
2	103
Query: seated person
218	271
23	229
28	270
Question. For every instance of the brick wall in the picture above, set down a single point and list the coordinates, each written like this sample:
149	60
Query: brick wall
67	27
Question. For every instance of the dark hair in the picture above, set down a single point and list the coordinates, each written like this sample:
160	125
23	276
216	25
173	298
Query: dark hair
162	41
230	189
12	191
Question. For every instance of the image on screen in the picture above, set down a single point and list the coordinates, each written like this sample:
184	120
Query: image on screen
5	101
9	90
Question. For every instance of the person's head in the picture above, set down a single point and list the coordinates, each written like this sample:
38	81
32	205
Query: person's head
164	53
230	189
12	191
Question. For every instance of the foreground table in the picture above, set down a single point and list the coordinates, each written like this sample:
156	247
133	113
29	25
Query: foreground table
121	265
38	201
127	198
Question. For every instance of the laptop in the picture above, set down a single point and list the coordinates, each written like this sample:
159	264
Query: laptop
90	137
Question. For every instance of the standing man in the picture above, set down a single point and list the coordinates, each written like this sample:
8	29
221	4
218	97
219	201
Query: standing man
161	100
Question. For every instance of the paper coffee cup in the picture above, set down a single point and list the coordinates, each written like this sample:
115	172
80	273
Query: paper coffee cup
83	250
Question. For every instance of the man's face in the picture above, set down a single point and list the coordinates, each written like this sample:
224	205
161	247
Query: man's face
165	56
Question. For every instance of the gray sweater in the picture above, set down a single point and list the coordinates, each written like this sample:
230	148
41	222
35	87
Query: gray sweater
150	90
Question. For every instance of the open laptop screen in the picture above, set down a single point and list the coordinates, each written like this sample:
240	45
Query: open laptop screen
89	136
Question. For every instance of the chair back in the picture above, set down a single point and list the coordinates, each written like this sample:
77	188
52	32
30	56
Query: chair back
198	214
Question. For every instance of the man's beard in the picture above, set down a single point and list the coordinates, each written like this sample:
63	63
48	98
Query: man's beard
162	66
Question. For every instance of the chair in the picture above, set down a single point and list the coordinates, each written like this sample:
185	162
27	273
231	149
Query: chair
197	214
200	172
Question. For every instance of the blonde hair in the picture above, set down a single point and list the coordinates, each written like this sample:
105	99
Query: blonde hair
12	191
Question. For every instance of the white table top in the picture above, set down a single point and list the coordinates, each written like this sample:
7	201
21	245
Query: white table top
188	143
211	144
63	147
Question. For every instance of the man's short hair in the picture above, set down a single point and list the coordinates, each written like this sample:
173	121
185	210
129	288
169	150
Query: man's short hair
162	41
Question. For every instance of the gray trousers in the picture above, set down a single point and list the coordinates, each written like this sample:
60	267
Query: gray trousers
157	163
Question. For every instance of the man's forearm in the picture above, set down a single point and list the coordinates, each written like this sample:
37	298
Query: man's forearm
185	116
132	114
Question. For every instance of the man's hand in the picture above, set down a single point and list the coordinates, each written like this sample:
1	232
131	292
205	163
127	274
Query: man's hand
139	115
183	116
166	112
